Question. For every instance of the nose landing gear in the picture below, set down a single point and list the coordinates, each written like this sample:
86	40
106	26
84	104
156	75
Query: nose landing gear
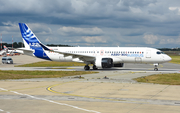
155	67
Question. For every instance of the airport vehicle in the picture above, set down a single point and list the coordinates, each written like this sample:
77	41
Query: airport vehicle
7	60
100	57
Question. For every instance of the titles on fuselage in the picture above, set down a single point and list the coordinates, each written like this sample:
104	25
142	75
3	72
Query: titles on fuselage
128	55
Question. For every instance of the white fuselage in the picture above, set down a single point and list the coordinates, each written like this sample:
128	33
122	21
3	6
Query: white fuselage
118	54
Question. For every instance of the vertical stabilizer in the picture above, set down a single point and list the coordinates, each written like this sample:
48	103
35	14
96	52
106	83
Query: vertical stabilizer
29	38
32	42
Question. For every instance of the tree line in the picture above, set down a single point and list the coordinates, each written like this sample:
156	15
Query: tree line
20	44
15	45
169	49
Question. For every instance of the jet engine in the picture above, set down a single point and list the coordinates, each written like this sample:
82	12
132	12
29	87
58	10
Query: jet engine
104	62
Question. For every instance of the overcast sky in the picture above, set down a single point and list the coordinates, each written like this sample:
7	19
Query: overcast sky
124	23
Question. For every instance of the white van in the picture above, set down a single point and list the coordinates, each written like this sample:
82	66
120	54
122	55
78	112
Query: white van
7	60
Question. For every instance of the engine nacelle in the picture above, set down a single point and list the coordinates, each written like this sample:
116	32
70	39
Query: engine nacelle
119	65
104	62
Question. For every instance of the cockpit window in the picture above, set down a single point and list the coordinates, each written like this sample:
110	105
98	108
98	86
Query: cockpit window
162	52
158	52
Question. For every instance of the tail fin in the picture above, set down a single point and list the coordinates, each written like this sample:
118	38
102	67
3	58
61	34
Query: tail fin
5	48
31	42
29	38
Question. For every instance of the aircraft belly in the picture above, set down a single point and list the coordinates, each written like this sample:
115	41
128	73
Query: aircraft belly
128	60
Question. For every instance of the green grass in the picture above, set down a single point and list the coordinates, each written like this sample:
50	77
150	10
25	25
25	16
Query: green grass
175	59
169	79
51	64
39	74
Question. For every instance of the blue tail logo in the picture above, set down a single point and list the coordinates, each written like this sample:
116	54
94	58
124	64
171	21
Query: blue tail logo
29	37
32	42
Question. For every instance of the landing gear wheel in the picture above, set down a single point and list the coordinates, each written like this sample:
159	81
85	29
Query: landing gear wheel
94	67
86	67
155	67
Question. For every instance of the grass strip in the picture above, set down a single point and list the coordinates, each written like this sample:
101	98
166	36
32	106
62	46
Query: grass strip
39	74
168	79
51	64
175	59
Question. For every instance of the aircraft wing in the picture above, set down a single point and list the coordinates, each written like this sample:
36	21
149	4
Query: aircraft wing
24	49
74	55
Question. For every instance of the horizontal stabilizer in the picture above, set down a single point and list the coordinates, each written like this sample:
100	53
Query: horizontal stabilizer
25	51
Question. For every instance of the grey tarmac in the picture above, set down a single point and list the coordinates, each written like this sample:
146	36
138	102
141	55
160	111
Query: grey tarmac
117	93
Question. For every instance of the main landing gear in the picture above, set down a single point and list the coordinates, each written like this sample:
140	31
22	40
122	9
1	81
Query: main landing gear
155	67
94	67
86	67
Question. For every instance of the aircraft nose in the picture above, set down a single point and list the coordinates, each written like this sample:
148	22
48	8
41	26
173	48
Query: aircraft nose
168	58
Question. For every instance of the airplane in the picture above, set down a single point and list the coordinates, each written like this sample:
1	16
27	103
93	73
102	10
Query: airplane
100	57
8	52
4	51
5	48
11	51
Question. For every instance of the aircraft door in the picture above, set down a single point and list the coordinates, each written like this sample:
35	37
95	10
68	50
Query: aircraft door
148	53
